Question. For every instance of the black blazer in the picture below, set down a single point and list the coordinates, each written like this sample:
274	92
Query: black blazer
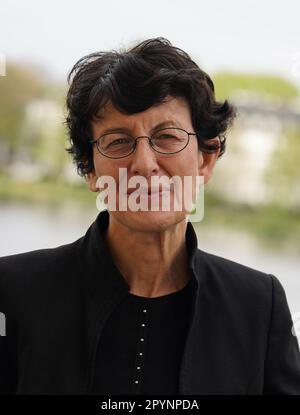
56	302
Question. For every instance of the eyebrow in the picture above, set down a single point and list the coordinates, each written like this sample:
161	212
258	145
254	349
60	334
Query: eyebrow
162	124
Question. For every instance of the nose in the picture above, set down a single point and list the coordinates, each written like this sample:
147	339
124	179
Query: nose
144	159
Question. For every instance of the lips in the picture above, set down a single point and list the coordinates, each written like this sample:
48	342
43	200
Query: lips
148	190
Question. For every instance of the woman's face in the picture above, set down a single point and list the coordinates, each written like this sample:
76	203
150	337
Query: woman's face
146	162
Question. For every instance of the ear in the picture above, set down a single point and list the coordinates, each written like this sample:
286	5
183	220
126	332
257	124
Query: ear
207	160
91	178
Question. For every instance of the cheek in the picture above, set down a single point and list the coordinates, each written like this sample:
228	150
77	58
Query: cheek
108	167
103	165
187	165
97	162
192	157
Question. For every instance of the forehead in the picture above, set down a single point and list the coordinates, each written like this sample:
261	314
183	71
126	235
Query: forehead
173	109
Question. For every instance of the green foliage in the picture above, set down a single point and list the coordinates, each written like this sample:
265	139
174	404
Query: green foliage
283	174
17	89
274	86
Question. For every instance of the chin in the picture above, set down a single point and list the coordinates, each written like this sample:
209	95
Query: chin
148	220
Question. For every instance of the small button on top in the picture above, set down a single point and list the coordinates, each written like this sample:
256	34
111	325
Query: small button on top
145	311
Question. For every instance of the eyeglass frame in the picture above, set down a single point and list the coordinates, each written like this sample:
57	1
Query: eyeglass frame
92	141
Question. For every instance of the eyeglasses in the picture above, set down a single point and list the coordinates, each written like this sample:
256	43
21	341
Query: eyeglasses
165	141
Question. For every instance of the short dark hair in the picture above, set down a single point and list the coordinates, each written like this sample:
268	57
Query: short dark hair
134	80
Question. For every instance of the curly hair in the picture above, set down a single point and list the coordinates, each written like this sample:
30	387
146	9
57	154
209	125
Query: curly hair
134	80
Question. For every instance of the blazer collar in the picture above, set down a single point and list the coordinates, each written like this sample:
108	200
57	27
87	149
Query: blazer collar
102	272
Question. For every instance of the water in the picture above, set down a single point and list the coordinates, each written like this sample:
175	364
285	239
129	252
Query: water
25	228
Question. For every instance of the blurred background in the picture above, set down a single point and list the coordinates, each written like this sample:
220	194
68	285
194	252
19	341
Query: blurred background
251	49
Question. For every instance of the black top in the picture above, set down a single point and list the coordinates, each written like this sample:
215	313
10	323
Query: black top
141	345
57	301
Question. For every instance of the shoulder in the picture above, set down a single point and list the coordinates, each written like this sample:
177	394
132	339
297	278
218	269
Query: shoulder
40	259
31	272
232	269
236	280
242	293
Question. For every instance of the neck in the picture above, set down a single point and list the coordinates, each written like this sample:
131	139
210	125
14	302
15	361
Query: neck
152	263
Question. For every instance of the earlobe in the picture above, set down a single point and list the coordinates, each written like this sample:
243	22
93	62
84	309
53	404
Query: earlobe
92	181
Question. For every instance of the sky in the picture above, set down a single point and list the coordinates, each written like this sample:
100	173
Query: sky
237	35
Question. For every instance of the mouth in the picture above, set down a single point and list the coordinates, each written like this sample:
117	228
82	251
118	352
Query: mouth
148	191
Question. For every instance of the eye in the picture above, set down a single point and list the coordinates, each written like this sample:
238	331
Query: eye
166	136
118	141
114	140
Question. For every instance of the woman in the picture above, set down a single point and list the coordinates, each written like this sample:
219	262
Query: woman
134	307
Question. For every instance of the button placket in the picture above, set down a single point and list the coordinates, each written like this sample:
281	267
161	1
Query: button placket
139	361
